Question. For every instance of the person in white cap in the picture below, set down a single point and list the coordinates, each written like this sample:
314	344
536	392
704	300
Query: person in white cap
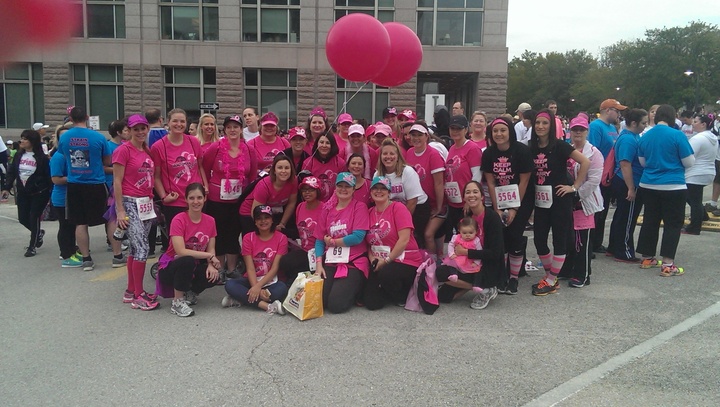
522	132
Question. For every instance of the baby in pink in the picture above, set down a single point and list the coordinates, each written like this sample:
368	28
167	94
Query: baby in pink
467	238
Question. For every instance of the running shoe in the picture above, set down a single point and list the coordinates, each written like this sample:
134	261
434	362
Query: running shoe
180	308
686	231
72	262
544	288
30	252
503	287
480	301
230	302
190	298
143	302
512	287
128	297
670	271
275	308
40	237
88	265
716	212
122	261
650	263
576	283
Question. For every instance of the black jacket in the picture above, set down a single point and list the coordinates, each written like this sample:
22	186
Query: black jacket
39	182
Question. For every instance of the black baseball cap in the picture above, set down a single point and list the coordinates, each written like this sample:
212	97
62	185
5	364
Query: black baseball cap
459	121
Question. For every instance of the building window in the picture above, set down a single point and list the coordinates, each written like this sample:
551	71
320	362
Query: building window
21	96
102	19
271	21
272	90
189	20
450	22
99	88
383	10
186	88
367	104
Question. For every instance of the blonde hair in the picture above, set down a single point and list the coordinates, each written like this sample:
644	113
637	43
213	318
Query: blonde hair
399	166
198	132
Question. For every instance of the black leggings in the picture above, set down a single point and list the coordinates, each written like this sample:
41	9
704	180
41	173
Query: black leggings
697	212
340	294
559	218
227	223
665	206
65	234
392	282
185	274
30	209
293	263
420	218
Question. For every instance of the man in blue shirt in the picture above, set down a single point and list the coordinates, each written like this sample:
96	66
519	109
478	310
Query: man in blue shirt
157	130
86	154
602	135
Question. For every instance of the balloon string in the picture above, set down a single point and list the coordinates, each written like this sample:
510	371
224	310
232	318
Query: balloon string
344	106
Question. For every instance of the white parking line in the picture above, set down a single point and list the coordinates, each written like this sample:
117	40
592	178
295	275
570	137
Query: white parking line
576	384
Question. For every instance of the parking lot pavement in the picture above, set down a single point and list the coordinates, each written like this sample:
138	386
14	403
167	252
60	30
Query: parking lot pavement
630	338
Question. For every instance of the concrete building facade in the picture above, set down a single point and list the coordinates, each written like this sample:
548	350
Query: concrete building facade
134	54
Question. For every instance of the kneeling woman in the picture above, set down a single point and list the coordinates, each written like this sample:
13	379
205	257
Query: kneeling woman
262	251
307	215
393	249
190	265
342	230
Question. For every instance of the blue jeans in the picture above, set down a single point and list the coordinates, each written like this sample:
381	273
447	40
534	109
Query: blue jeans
238	289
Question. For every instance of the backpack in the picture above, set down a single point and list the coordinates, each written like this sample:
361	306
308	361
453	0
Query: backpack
608	169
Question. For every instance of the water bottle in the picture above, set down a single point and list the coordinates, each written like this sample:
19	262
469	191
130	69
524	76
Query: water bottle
120	233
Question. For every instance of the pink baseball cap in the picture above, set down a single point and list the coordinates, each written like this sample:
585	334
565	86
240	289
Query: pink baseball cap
345	118
356	129
136	119
408	114
579	121
311	182
370	130
269	118
383	129
296	132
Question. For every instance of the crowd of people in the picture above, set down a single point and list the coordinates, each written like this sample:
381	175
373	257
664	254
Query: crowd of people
364	206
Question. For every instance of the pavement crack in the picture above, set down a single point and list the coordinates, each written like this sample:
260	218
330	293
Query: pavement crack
259	366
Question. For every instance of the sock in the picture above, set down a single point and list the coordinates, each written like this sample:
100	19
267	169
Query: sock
668	264
131	278
557	263
546	262
138	275
88	258
713	204
477	290
515	265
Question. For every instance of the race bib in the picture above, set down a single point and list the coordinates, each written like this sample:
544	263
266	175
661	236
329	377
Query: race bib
383	252
452	191
337	255
230	189
312	259
146	209
507	196
543	196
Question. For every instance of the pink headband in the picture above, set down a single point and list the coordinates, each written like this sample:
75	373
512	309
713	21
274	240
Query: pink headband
498	121
543	114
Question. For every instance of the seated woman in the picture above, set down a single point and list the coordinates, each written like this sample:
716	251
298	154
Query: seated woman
394	252
308	214
262	251
492	254
342	231
189	265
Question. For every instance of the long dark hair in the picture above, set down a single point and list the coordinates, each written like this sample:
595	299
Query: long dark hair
35	141
499	120
551	132
334	149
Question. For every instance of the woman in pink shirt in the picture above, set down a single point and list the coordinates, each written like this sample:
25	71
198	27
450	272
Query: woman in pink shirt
207	131
358	145
231	166
394	254
344	264
189	265
278	191
178	163
357	165
317	125
268	144
307	215
478	127
325	163
462	166
262	252
133	171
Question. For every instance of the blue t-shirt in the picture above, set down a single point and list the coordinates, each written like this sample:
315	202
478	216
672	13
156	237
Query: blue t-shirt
58	168
84	150
626	149
602	135
155	134
111	149
663	149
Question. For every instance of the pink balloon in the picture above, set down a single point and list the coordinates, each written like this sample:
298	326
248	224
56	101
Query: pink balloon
357	47
406	55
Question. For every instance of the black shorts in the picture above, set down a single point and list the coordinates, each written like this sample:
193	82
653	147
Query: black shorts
717	172
86	204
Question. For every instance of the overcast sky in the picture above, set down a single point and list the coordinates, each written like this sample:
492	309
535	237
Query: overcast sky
563	25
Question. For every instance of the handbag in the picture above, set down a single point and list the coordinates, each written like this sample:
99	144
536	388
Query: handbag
304	299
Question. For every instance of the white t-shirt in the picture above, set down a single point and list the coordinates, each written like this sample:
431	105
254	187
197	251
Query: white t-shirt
523	133
705	146
688	130
248	135
28	165
440	148
3	147
406	187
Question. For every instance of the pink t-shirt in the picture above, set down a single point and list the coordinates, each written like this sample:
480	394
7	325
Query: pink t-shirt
195	235
369	154
242	167
139	169
426	164
342	143
362	193
306	220
178	165
265	151
325	173
480	143
458	165
266	194
340	223
384	229
263	252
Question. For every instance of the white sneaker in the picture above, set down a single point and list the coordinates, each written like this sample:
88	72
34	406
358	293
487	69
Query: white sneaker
181	309
228	302
191	298
275	308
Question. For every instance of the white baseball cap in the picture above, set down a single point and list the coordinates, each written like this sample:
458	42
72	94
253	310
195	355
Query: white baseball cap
38	126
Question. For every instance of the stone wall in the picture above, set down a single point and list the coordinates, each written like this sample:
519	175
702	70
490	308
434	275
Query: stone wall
152	88
492	93
56	92
315	90
230	90
132	89
404	96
